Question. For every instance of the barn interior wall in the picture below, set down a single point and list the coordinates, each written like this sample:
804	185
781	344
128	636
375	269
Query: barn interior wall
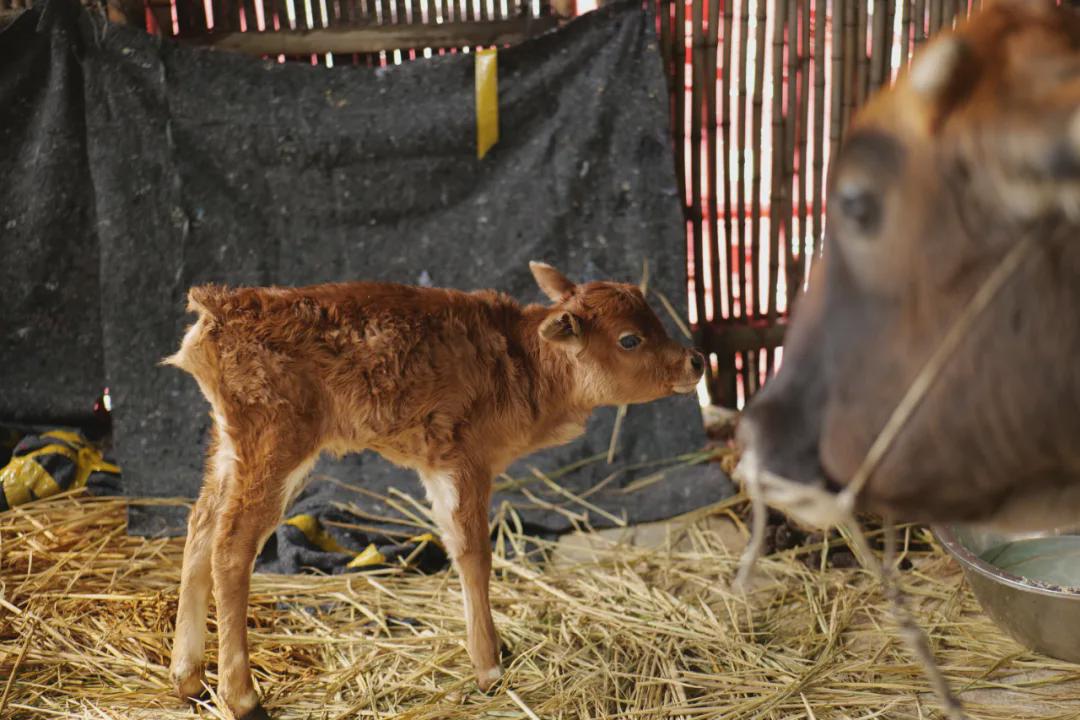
761	92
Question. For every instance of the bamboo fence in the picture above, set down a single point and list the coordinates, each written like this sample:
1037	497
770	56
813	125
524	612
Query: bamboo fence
762	92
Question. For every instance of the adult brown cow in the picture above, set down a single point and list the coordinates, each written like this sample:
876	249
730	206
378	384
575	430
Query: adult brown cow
952	266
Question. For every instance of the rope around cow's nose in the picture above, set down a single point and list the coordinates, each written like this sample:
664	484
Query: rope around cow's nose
843	503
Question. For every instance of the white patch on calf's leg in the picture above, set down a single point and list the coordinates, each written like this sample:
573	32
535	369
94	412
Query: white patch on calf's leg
486	678
443	495
295	482
225	453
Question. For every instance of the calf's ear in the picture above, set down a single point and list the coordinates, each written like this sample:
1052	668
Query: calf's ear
554	284
562	327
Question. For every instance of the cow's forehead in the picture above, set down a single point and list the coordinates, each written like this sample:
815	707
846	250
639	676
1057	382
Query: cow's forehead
1011	60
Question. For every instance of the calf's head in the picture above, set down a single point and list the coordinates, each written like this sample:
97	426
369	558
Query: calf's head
975	148
619	350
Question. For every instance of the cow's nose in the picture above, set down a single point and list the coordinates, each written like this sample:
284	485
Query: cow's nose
697	361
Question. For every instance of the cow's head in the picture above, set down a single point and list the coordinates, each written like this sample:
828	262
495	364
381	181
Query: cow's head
976	147
620	351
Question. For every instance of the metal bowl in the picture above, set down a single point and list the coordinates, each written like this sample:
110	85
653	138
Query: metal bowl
1040	616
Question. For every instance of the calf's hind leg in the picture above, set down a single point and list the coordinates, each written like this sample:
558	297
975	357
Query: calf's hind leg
251	507
189	643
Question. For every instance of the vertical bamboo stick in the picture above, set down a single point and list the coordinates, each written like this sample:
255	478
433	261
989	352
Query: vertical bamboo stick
936	12
851	16
663	12
920	24
222	14
862	78
697	75
272	9
776	198
740	188
795	279
740	375
249	16
819	124
791	123
878	59
711	151
678	56
725	150
753	302
905	32
191	19
890	25
838	101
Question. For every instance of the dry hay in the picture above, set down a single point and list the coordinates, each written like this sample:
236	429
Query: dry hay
86	614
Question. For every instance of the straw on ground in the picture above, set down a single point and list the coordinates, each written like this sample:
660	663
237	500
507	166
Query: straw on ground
86	614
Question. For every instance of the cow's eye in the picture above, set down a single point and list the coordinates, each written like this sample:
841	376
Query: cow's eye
861	207
629	341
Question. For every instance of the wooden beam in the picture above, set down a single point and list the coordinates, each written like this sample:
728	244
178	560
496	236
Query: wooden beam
740	336
375	38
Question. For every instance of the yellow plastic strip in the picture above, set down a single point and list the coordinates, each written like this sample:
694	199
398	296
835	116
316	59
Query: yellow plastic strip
313	531
70	453
22	480
369	556
90	461
487	100
67	436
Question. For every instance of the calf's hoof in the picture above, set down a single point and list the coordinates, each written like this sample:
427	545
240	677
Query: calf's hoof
255	713
486	678
188	683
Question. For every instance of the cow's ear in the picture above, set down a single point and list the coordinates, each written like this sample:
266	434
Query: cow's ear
941	76
562	327
554	284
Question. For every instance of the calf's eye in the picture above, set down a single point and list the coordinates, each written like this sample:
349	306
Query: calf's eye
629	342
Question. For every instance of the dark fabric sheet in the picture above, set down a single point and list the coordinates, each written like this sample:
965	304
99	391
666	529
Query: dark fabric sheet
207	166
49	310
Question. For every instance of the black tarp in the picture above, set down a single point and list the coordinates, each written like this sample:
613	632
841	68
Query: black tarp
132	168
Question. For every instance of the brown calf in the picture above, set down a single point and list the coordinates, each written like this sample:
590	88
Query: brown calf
952	255
454	385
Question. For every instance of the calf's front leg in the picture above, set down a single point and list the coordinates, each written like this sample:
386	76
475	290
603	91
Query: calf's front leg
460	507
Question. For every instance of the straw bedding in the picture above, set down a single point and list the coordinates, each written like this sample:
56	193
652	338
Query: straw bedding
642	633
